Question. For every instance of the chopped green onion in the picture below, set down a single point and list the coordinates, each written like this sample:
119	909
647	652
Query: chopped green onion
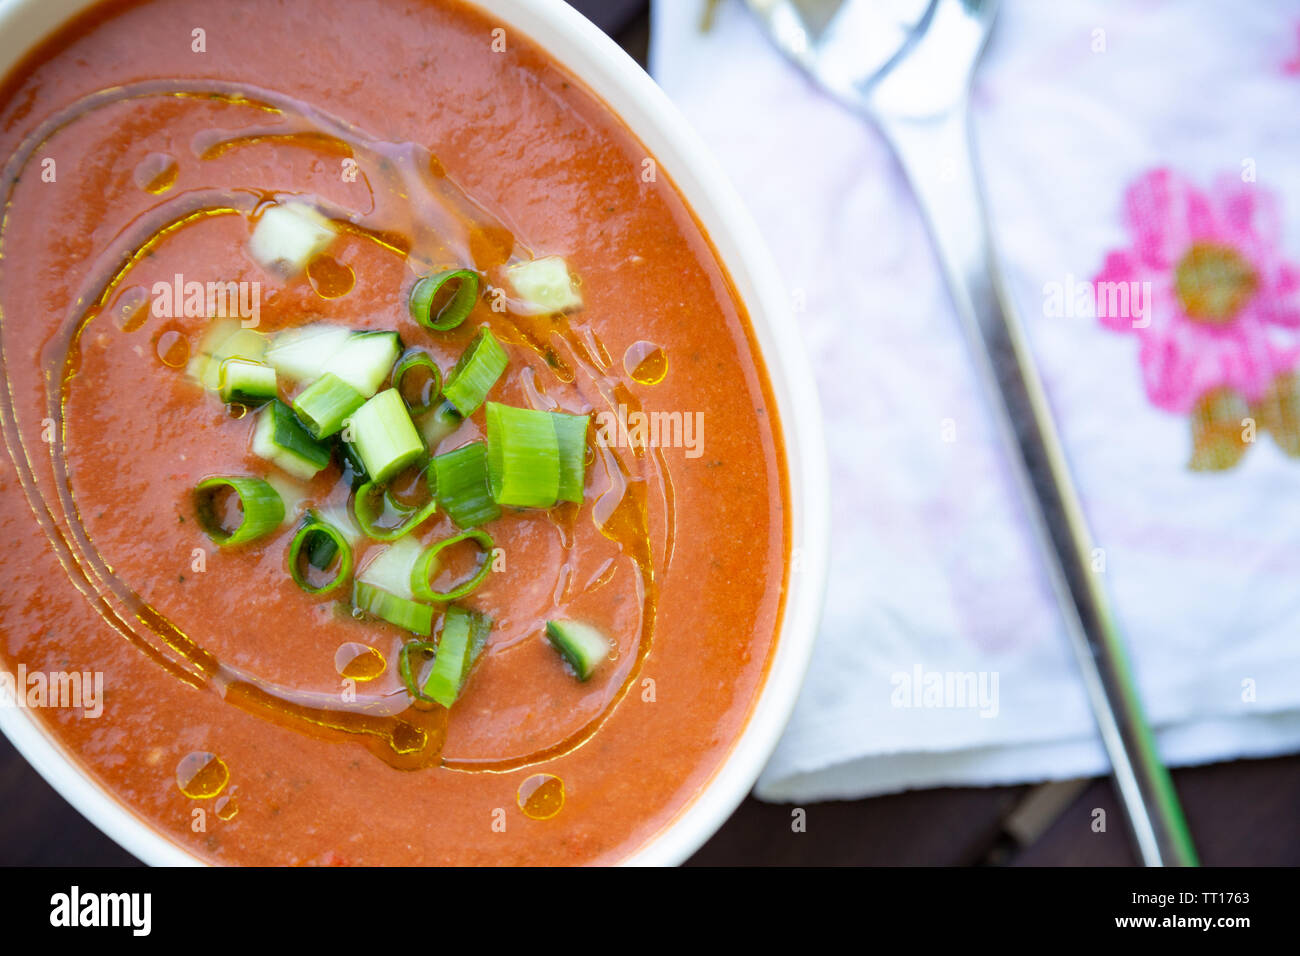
246	382
321	549
283	440
323	541
475	372
580	644
438	424
326	404
407	614
452	659
442	682
365	360
545	284
460	288
460	480
364	509
404	667
383	436
523	456
383	588
288	236
426	566
260	507
429	383
480	629
571	437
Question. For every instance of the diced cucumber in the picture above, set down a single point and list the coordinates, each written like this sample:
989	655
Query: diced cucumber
292	493
383	588
545	284
284	441
248	383
224	339
580	644
365	360
391	567
289	236
302	354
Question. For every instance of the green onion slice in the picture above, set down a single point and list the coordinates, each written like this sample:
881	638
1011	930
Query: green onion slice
475	372
368	514
571	437
464	635
427	565
404	667
460	480
407	614
323	541
260	509
326	404
452	293
428	380
383	436
451	662
523	456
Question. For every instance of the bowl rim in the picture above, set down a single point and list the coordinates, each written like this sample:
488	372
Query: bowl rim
584	51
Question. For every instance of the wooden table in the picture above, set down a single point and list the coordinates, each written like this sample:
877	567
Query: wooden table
1241	813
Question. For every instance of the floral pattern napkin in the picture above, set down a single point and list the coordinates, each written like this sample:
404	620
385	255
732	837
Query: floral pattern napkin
1142	165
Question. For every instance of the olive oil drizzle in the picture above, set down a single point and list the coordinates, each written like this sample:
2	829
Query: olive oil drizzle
427	220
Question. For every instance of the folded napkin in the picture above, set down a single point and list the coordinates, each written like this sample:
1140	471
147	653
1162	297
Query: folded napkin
1152	147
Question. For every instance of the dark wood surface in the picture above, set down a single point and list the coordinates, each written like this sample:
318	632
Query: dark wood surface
1241	813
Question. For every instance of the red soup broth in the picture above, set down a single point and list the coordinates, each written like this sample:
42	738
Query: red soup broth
252	722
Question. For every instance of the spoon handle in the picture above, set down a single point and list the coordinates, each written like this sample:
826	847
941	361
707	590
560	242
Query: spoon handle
936	154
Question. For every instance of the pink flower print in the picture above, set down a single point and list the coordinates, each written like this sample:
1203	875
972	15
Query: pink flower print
1215	308
1222	306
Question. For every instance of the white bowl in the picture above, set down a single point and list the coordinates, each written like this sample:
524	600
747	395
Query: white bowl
588	53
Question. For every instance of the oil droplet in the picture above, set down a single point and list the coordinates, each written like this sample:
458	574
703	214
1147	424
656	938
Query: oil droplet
236	410
156	173
173	349
646	363
359	661
201	775
131	308
541	796
330	278
226	808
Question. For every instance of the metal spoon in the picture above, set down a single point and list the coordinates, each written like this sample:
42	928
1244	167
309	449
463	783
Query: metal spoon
907	66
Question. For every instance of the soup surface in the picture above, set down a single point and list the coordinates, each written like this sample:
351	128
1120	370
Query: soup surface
251	720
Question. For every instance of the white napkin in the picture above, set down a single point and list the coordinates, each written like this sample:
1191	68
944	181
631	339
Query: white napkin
934	571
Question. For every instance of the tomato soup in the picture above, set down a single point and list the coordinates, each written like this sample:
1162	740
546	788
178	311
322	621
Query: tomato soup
383	431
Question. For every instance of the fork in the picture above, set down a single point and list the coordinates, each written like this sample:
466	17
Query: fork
907	66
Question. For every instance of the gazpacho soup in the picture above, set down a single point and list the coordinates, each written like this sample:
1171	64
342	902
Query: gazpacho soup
393	476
